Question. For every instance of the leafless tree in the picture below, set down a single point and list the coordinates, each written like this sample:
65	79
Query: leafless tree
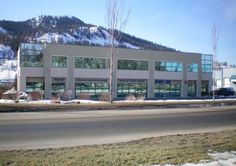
116	20
215	37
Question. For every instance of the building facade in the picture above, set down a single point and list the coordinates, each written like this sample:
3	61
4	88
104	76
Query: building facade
225	77
56	68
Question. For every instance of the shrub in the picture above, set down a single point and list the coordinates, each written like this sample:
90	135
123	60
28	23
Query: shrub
66	95
130	97
10	96
2	90
84	96
55	96
104	97
140	97
36	95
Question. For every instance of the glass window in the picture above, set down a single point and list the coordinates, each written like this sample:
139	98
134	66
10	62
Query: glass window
132	65
31	55
167	88
193	68
59	62
192	88
34	86
168	66
134	87
92	87
204	88
207	61
58	85
91	63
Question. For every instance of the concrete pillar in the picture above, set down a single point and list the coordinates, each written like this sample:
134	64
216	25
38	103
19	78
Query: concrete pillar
151	81
70	75
47	74
199	80
184	86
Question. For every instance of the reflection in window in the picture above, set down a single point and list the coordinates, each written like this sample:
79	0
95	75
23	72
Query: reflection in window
168	66
58	85
34	86
192	88
92	87
207	61
193	68
59	61
31	55
134	87
167	88
132	64
91	63
204	88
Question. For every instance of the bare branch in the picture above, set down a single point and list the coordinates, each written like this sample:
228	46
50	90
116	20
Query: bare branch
115	23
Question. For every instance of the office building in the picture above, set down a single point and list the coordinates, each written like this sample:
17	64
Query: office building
56	68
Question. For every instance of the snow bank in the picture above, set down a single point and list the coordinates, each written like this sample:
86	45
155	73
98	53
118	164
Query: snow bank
120	101
50	101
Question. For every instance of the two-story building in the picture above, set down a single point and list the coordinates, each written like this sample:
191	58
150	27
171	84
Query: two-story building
56	68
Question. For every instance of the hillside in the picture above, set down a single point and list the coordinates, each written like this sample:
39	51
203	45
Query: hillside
66	30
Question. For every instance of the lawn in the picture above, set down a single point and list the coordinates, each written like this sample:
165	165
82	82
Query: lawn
175	149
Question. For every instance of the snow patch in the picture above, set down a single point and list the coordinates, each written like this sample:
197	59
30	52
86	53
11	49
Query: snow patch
128	45
88	35
56	38
2	31
221	159
6	52
8	70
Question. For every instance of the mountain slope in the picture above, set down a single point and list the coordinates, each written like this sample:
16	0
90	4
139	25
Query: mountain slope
65	30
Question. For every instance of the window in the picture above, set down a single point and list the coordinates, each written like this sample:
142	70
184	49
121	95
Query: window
58	85
193	68
134	87
132	65
167	88
207	63
31	55
34	86
59	62
204	88
92	87
91	63
168	66
192	88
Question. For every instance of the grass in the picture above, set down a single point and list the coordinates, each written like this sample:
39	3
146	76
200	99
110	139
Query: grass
21	107
175	149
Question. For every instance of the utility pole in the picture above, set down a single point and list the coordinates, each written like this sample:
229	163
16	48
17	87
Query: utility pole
215	37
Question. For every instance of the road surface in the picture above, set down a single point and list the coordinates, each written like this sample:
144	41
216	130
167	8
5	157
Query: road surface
65	129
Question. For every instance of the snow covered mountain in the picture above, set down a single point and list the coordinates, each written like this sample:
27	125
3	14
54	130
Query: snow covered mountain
62	29
66	30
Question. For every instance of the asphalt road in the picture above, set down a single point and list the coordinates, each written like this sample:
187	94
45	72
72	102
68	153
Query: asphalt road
65	129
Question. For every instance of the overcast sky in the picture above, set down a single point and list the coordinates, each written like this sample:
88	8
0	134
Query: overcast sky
185	25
